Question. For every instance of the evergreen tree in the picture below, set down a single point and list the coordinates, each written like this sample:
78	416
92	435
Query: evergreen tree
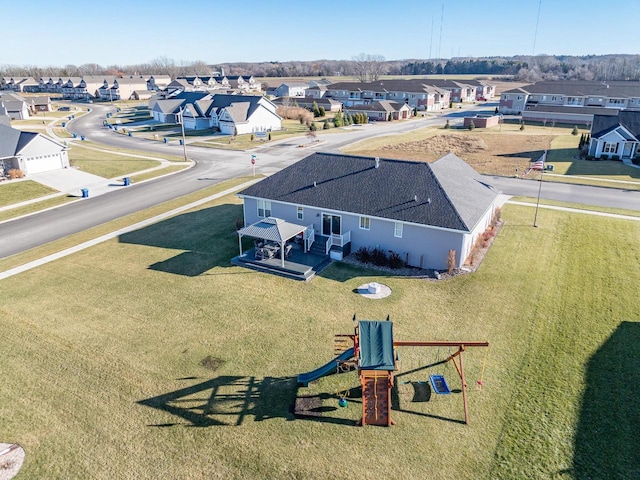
325	125
322	111
337	119
315	109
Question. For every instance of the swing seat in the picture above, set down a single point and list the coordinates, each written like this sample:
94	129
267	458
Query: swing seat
439	384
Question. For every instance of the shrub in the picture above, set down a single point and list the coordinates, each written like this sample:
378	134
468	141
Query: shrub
313	127
575	130
472	125
447	125
252	137
451	261
522	126
394	260
322	111
15	173
615	157
496	111
337	119
363	254
269	136
325	125
378	257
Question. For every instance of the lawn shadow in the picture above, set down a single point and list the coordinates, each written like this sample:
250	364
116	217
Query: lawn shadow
532	155
601	168
226	400
607	443
204	239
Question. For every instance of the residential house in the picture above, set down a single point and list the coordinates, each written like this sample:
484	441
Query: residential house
484	88
463	92
121	88
167	110
142	94
30	152
570	101
616	137
40	104
158	82
15	105
19	84
291	90
421	211
382	110
232	114
85	88
416	93
316	91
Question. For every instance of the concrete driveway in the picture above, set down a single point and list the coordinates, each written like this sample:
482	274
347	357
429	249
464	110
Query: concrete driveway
71	181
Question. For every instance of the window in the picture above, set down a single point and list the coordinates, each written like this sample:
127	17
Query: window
610	148
300	213
397	232
264	208
365	223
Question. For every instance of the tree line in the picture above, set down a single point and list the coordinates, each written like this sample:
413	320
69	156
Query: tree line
367	67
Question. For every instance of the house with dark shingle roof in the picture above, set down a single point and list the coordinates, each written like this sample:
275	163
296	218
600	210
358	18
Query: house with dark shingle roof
616	136
232	114
381	111
419	93
418	210
30	152
567	99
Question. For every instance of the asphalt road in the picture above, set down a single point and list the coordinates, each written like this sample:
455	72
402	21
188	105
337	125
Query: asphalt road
214	166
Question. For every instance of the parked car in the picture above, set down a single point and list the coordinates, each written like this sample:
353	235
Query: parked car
481	99
64	109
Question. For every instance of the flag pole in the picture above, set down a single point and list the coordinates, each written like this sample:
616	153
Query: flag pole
535	217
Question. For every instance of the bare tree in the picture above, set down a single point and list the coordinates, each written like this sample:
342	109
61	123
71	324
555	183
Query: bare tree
368	68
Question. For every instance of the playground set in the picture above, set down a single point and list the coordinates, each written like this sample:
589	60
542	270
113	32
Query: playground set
373	351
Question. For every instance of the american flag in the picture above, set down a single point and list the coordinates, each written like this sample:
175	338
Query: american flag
537	165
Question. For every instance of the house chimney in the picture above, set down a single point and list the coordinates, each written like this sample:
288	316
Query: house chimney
377	162
315	184
429	200
415	198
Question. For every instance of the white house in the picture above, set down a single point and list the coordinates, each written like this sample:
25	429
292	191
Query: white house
616	137
30	152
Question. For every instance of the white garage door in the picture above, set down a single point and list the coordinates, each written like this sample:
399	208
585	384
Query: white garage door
43	163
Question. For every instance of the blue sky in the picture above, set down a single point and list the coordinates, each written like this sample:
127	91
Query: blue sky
59	33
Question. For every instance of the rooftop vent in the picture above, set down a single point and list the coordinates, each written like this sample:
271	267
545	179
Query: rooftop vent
429	200
377	162
315	184
415	198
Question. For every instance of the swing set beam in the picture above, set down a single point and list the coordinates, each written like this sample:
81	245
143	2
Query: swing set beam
444	343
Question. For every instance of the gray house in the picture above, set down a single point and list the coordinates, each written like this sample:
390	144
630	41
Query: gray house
418	210
30	152
616	137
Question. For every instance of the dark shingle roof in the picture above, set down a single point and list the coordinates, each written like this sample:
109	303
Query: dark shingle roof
629	119
582	88
448	194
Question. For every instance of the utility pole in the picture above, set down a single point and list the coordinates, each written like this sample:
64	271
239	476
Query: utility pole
184	143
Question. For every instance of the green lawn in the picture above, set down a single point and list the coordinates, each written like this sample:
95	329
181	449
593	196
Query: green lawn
105	164
103	373
16	192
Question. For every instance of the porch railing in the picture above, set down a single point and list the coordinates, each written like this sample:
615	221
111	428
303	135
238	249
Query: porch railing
309	236
338	240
